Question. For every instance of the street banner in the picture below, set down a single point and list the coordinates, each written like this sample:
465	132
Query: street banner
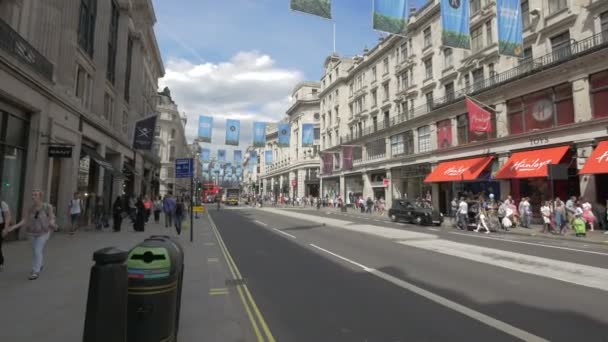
328	162
510	35
444	133
347	157
455	22
221	156
284	134
239	170
268	157
237	157
253	157
259	134
233	128
390	16
250	167
143	136
205	154
205	128
480	120
320	8
308	135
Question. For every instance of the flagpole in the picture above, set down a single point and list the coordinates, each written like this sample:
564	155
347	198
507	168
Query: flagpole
479	102
334	25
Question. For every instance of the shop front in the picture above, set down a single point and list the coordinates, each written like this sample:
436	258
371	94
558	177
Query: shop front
408	181
378	185
331	187
354	188
13	149
596	166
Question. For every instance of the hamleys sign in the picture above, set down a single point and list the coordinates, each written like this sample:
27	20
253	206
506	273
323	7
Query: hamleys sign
455	170
603	158
530	165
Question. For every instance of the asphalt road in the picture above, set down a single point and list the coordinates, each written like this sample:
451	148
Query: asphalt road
315	282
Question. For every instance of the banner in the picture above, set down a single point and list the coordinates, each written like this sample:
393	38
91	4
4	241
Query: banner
308	135
444	133
455	21
328	163
268	157
320	8
237	157
253	157
259	134
205	167
284	134
205	128
480	120
239	170
143	136
510	36
221	156
347	157
233	128
390	16
250	167
205	154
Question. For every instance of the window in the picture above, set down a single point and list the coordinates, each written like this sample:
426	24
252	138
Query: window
385	87
448	58
491	72
397	144
557	5
449	91
108	106
173	133
428	69
385	65
467	82
171	153
408	142
83	86
429	101
317	133
444	134
424	139
374	98
404	52
157	131
604	24
350	88
350	110
427	37
489	34
478	79
599	94
125	122
525	13
405	82
112	43
336	95
375	123
329	98
376	149
127	94
475	6
314	91
477	39
86	25
465	136
374	74
560	45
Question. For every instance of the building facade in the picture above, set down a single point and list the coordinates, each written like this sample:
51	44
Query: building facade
76	75
293	171
405	110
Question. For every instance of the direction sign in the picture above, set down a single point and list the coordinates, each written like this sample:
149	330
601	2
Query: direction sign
183	168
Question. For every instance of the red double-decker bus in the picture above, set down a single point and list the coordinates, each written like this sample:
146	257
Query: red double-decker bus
209	192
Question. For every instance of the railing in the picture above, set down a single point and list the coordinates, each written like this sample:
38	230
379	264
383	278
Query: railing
18	47
526	68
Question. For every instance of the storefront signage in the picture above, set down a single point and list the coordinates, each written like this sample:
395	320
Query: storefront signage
386	181
530	165
455	170
539	141
60	151
603	158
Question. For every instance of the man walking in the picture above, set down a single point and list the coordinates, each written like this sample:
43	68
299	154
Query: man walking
74	211
5	221
463	214
169	205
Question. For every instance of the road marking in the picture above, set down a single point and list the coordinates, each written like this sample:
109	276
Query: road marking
434	229
260	223
530	243
478	316
282	232
209	244
218	291
213	260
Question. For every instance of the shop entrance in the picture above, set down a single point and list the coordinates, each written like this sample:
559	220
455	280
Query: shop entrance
601	186
13	144
312	190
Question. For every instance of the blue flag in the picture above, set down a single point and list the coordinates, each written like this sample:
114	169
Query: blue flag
221	155
205	154
510	36
390	16
308	135
238	157
253	157
233	128
259	134
284	134
455	21
268	157
205	128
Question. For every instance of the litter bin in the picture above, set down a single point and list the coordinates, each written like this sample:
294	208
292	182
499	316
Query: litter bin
154	268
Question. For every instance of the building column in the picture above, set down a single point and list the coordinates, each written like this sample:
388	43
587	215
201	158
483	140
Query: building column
389	151
292	177
505	184
343	193
139	167
281	184
367	185
587	183
582	99
320	188
117	162
502	129
415	138
454	124
101	149
264	185
301	183
389	189
435	195
433	131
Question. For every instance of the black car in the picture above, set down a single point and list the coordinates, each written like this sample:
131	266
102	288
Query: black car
414	212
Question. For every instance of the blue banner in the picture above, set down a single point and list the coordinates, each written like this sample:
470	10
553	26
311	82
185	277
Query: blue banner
250	167
284	134
221	155
259	134
455	21
239	170
233	127
510	36
253	157
308	135
205	154
268	157
205	128
238	157
391	16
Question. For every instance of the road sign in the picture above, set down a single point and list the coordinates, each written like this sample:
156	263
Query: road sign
183	168
198	209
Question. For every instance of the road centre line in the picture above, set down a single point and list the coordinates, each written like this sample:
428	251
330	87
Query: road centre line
478	316
260	223
282	232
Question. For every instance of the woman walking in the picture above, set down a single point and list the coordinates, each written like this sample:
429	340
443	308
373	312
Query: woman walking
39	221
158	207
179	215
559	217
117	210
140	215
5	220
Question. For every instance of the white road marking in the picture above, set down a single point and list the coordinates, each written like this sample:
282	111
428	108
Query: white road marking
483	318
282	232
260	223
434	229
542	244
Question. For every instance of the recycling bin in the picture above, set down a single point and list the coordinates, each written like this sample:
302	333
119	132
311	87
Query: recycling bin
155	271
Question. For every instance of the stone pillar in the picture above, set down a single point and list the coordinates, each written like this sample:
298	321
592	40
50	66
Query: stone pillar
292	177
502	129
433	131
367	185
435	195
281	184
320	187
389	189
454	122
505	184
343	193
101	149
301	183
139	168
582	99
264	185
587	183
389	152
117	162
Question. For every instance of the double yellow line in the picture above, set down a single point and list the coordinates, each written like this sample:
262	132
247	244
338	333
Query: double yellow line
254	314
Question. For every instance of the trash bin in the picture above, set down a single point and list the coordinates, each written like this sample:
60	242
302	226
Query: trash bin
154	269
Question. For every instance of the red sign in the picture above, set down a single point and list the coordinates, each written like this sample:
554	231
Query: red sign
459	170
386	181
598	162
480	120
293	183
529	164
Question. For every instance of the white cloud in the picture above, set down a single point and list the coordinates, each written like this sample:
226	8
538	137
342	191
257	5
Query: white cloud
249	87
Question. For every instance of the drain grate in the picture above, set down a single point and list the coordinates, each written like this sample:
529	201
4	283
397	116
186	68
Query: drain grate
236	282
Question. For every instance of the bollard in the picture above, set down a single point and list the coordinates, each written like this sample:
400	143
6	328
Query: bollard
106	313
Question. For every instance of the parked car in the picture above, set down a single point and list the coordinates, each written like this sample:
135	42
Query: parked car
414	212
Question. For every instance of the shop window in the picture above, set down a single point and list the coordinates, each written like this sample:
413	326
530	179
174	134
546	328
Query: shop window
376	149
424	139
444	133
599	94
16	132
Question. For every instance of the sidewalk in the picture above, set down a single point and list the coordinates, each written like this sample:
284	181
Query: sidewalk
52	308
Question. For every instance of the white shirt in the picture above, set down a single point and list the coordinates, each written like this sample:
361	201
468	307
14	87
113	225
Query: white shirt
463	208
4	208
75	206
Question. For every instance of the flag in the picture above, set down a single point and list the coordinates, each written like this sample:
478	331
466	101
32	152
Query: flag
221	155
320	8
390	16
253	157
347	157
510	35
284	134
308	135
237	157
455	21
480	120
259	134
205	128
143	135
268	157
232	132
205	154
328	162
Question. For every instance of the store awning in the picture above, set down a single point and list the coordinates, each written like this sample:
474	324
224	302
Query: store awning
97	158
459	170
530	164
598	161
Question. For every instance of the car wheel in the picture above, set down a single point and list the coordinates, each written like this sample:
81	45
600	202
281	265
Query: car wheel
393	217
418	220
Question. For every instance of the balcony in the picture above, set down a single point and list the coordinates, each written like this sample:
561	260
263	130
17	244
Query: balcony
19	48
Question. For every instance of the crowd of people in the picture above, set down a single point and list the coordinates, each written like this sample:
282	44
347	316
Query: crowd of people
369	205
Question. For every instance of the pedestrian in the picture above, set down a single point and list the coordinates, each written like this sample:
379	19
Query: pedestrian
39	221
169	209
5	221
362	204
74	211
148	206
482	223
140	215
571	209
599	211
117	211
463	214
545	212
179	216
454	208
370	204
559	217
580	228
588	215
99	214
525	212
158	207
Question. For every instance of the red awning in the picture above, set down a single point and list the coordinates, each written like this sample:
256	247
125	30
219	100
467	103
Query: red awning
530	164
598	162
459	170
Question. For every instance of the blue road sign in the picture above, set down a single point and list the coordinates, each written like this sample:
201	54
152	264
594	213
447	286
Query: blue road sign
183	168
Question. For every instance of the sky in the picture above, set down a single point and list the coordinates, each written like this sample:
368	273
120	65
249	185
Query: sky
241	59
